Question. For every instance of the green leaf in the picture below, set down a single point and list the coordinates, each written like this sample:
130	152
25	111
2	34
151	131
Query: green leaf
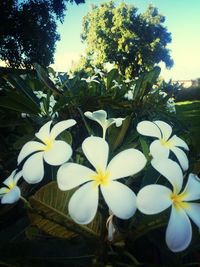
50	214
19	84
66	136
43	76
112	75
145	147
50	227
117	134
149	223
145	82
19	102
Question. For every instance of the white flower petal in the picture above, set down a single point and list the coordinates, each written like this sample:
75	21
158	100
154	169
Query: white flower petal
28	148
149	128
153	199
10	180
4	190
127	162
58	154
33	169
157	150
165	128
17	176
176	141
44	131
182	157
192	188
116	121
96	150
83	204
98	116
170	170
60	127
12	196
179	230
120	199
193	211
71	175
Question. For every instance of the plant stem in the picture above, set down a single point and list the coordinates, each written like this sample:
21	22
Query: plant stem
26	203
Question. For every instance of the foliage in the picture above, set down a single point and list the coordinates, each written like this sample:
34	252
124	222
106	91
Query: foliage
21	115
188	113
188	94
28	31
119	35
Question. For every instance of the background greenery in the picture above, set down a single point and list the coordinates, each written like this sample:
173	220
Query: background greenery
45	235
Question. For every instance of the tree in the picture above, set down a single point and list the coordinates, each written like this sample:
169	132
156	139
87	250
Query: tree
131	41
28	30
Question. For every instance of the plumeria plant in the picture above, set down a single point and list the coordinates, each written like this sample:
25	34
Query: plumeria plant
115	177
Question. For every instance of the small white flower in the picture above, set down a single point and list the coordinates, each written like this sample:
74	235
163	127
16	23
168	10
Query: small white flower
153	199
127	80
171	105
129	95
164	143
119	198
116	85
54	152
90	79
162	93
100	116
98	72
42	96
11	193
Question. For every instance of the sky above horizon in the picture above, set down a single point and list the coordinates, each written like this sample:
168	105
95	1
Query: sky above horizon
182	20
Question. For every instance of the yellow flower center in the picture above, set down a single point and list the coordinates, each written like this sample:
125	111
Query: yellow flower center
178	201
49	143
10	186
101	178
167	144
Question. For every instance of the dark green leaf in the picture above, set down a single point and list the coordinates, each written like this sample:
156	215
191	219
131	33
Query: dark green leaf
117	134
112	75
43	76
50	213
19	102
145	82
19	84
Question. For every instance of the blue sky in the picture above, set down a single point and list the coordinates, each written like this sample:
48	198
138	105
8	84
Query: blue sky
182	20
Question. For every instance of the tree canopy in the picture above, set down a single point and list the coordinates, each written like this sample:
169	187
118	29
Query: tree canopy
28	30
120	35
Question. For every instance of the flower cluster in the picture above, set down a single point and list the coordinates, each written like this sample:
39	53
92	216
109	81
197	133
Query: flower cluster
168	157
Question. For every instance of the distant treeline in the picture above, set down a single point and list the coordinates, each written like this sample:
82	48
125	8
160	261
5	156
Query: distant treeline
188	94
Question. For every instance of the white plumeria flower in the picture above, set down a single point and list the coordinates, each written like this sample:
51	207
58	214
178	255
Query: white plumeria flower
54	152
100	116
155	198
116	85
129	95
171	105
164	143
98	71
120	199
90	79
40	95
11	193
128	80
